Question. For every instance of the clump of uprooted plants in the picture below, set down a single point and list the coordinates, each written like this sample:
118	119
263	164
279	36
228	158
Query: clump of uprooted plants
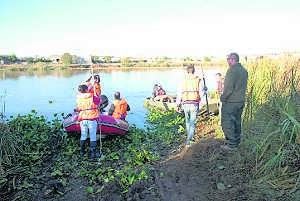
272	122
25	143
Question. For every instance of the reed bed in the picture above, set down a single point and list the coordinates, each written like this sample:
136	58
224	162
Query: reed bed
272	123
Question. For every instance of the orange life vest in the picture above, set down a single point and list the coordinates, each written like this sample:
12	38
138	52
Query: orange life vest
120	111
190	88
87	108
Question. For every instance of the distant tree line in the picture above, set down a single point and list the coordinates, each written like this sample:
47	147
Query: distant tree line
13	59
67	59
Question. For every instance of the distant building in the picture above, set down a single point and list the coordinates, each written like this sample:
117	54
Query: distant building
116	59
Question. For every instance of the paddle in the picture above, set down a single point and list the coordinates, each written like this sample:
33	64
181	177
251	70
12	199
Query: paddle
205	88
93	81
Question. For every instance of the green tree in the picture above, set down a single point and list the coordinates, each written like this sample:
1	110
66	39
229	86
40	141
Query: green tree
107	59
207	59
187	59
66	58
29	59
12	58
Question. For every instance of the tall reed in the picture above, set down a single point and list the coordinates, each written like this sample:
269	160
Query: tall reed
271	120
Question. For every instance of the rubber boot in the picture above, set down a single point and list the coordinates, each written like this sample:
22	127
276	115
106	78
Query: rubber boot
94	153
82	147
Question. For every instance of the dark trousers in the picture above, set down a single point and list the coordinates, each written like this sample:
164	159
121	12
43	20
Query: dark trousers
231	122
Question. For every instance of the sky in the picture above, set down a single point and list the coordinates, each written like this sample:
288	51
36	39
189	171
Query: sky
149	28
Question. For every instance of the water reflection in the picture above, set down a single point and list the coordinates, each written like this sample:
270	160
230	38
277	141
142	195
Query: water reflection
54	91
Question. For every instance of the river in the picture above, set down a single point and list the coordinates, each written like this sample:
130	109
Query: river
50	92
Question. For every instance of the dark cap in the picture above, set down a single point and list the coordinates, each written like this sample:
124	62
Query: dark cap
82	88
117	95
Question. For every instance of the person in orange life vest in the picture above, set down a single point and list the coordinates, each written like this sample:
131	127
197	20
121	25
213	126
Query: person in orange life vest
87	106
96	84
188	98
119	107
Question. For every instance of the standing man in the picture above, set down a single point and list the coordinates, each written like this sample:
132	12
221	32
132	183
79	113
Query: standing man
233	100
188	97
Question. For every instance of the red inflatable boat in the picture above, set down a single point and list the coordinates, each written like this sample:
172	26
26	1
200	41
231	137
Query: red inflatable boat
107	125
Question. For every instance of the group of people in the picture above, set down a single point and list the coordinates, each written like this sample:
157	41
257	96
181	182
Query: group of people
88	107
232	92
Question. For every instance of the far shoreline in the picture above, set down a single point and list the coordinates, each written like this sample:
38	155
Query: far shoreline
45	66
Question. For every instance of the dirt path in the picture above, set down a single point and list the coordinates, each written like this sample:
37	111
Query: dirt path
202	172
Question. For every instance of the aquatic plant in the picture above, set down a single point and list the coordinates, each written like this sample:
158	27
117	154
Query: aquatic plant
26	143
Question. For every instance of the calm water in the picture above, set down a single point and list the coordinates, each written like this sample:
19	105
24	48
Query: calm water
50	92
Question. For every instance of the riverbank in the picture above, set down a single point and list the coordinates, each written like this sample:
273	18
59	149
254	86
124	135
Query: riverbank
42	163
104	67
149	164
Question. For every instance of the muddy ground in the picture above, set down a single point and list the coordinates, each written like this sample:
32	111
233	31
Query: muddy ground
202	172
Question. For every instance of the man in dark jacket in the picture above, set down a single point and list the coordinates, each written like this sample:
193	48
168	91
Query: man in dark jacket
233	101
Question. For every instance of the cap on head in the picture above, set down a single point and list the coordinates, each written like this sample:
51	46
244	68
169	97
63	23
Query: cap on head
82	88
117	95
190	68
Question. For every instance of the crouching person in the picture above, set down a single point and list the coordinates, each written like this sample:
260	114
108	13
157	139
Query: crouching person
119	108
87	106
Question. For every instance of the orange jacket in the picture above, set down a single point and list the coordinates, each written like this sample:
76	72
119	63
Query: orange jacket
120	111
87	105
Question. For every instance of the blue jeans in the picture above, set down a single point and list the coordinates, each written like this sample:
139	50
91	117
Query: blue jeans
88	126
190	113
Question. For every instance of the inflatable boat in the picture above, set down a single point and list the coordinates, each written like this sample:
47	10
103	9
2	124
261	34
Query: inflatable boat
107	125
